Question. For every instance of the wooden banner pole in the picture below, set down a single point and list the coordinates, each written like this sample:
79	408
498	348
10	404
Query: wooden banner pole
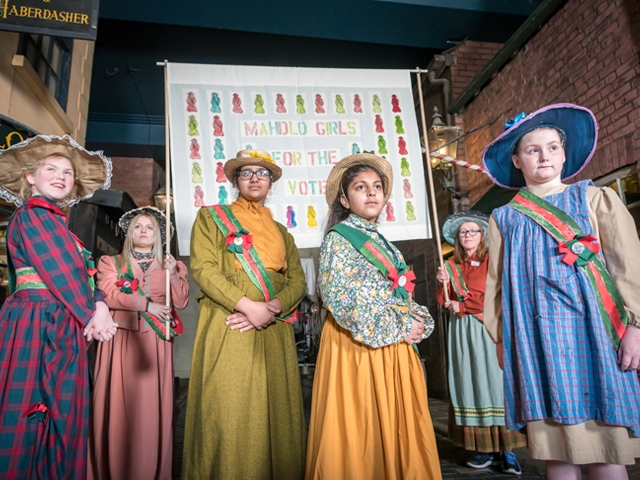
167	166
432	194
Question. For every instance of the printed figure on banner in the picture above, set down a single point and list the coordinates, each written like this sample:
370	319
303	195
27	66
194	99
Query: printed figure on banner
300	110
319	103
191	102
407	188
340	104
218	149
193	126
195	149
215	103
389	211
402	146
291	217
217	127
382	145
311	216
379	126
355	148
411	213
399	125
258	105
357	104
405	171
395	104
280	108
222	195
377	105
236	103
220	177
198	195
196	172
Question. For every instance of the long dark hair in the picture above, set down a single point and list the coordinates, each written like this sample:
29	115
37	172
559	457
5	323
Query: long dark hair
337	213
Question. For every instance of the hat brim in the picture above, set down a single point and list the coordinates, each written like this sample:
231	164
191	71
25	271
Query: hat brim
233	164
577	122
92	170
453	222
125	220
332	186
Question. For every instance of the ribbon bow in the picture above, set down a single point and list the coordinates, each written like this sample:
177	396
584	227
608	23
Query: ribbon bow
128	283
518	118
581	250
238	241
403	283
38	407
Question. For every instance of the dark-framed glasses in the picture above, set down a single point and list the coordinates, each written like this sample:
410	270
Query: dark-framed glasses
472	232
262	174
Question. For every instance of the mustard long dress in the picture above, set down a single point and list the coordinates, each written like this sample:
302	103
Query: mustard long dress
244	416
369	413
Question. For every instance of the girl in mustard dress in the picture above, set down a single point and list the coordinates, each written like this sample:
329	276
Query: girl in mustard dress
369	413
244	411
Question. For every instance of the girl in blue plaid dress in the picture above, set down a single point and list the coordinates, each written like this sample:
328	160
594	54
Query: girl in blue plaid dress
562	298
44	387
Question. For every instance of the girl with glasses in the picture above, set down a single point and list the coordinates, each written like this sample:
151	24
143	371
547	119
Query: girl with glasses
244	410
476	417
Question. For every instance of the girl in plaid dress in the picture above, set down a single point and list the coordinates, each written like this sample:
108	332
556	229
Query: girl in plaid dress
562	298
43	324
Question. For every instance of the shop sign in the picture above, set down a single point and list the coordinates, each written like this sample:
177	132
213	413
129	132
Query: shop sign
12	132
58	18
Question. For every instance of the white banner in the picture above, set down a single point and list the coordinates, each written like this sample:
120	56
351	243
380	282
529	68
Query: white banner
307	119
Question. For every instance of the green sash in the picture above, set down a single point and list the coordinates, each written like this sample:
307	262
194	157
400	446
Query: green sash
582	250
459	285
240	242
126	275
399	274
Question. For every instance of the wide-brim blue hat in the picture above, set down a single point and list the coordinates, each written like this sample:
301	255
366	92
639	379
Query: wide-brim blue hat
581	135
453	222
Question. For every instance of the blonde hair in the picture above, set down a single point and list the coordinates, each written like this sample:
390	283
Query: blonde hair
26	190
459	254
129	247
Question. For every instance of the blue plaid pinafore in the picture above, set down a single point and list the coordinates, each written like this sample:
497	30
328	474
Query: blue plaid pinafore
558	360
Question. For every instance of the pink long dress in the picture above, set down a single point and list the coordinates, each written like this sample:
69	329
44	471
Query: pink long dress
131	433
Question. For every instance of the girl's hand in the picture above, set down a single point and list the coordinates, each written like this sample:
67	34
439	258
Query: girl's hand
442	276
170	264
101	326
275	306
258	313
417	329
161	311
629	351
239	321
452	306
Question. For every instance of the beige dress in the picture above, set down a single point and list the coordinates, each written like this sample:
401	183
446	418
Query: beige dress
592	441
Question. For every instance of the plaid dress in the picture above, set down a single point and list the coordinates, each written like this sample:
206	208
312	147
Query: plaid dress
558	360
43	355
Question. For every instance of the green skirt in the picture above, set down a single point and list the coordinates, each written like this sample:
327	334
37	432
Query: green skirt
245	417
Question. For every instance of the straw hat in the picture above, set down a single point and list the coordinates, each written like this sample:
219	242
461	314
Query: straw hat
581	135
92	169
252	157
332	187
453	222
125	220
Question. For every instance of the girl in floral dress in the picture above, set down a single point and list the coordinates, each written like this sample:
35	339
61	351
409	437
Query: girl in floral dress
369	414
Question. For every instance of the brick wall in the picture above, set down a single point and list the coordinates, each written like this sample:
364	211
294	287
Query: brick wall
588	53
139	177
